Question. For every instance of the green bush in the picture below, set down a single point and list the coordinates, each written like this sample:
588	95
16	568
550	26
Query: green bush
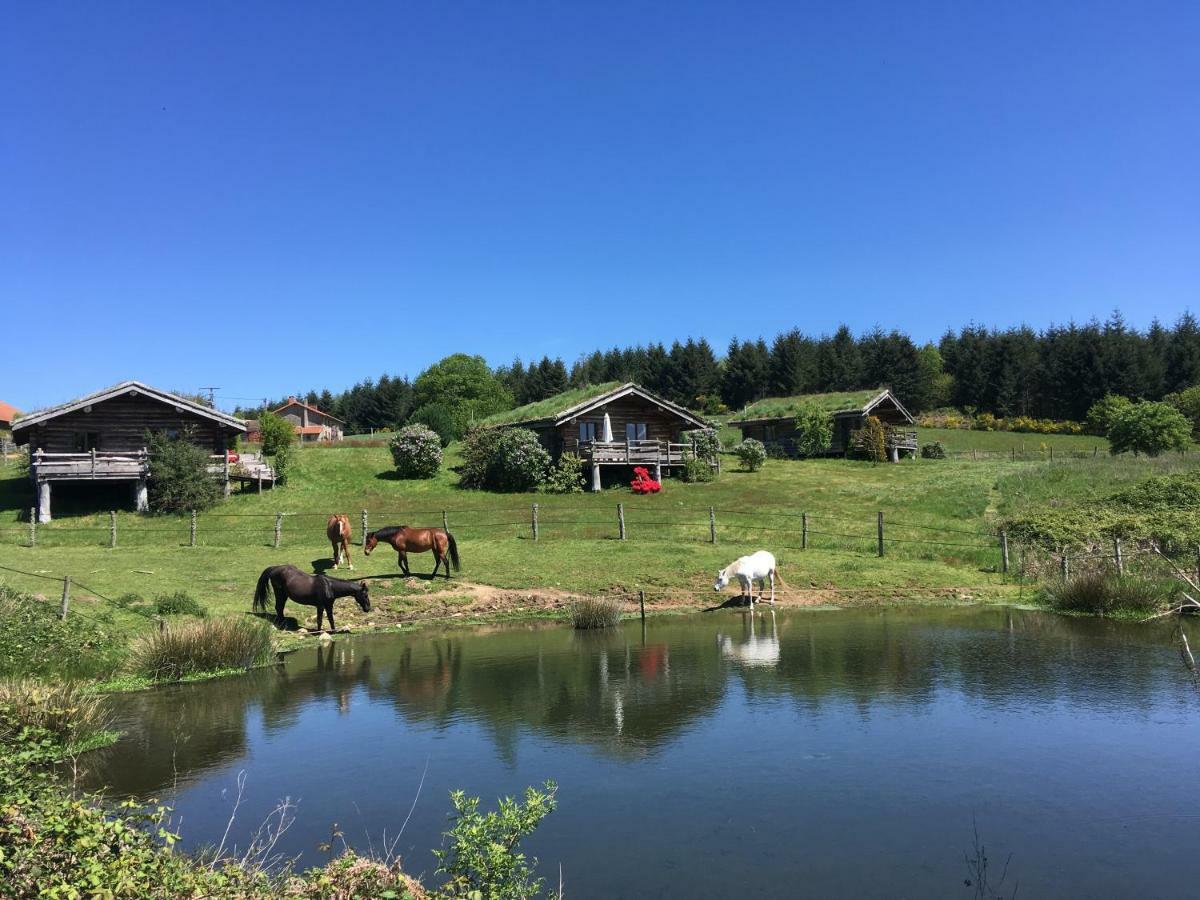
1150	428
870	441
706	443
1104	412
277	432
482	856
179	478
477	451
179	603
565	476
64	710
34	641
933	450
698	470
438	417
1105	595
751	453
814	430
416	451
208	645
503	459
1188	403
594	612
282	463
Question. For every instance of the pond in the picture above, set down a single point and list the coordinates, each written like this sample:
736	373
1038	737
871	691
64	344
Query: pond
800	753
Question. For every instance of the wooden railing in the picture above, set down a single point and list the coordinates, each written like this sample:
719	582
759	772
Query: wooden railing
43	465
634	453
901	440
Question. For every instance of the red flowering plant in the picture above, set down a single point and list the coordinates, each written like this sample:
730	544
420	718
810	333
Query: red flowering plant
642	482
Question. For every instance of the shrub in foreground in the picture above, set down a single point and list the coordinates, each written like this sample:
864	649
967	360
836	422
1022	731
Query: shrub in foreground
706	443
814	430
179	477
1102	594
751	453
180	603
870	441
416	451
34	641
698	470
565	476
594	612
63	710
933	450
503	459
207	645
1149	427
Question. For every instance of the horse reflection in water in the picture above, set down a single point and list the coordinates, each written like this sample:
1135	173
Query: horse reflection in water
759	651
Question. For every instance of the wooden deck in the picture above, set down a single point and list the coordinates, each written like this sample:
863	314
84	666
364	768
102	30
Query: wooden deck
632	453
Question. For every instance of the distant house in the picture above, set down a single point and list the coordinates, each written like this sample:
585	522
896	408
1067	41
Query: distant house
773	420
611	424
8	414
311	424
102	437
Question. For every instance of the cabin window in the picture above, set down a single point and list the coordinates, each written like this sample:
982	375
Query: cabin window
768	432
587	431
86	441
635	431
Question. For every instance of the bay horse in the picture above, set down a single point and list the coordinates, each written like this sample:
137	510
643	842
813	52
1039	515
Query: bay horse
320	591
337	529
758	567
416	540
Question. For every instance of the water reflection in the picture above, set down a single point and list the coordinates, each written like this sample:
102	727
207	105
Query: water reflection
629	693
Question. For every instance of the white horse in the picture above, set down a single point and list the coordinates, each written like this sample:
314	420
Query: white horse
758	567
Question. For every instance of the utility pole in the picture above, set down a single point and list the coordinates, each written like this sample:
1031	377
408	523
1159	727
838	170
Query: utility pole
212	400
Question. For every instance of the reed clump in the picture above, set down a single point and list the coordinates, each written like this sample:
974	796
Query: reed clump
1102	594
65	710
594	612
206	645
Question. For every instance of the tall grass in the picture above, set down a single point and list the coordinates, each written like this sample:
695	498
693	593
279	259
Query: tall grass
208	645
1101	594
594	612
64	709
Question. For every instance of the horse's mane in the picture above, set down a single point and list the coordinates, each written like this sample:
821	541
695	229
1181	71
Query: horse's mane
387	531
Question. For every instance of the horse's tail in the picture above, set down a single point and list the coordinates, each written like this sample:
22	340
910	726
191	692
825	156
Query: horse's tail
778	579
260	592
453	550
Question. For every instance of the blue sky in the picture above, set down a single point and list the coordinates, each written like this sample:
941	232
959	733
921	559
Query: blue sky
271	196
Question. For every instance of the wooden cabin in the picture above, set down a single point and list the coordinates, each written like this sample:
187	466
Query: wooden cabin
102	437
609	424
773	421
311	424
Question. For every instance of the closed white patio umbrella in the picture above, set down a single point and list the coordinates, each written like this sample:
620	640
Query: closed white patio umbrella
606	436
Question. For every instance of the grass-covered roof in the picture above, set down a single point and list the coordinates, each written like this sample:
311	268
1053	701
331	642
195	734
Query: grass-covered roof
787	407
552	407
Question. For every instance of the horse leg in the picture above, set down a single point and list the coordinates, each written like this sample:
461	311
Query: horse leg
329	614
771	575
404	563
279	602
346	553
335	553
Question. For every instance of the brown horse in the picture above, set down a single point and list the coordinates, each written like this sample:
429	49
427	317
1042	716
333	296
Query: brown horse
337	529
416	540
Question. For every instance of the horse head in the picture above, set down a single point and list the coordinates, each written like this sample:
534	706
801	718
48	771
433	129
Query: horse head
722	580
363	598
370	543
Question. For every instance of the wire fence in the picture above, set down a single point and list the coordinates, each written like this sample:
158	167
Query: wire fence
868	533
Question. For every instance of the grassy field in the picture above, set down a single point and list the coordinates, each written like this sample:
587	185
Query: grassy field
939	519
962	439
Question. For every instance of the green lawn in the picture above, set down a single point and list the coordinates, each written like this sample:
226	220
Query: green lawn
939	519
962	439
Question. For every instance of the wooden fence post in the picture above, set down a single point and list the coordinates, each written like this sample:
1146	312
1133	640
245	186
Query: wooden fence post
112	528
278	528
642	604
1117	556
1003	551
712	525
621	519
445	522
879	522
535	522
192	531
364	528
66	597
33	526
1065	565
804	531
1014	450
1051	453
975	454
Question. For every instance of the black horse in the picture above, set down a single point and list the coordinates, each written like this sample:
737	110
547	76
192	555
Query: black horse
320	591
